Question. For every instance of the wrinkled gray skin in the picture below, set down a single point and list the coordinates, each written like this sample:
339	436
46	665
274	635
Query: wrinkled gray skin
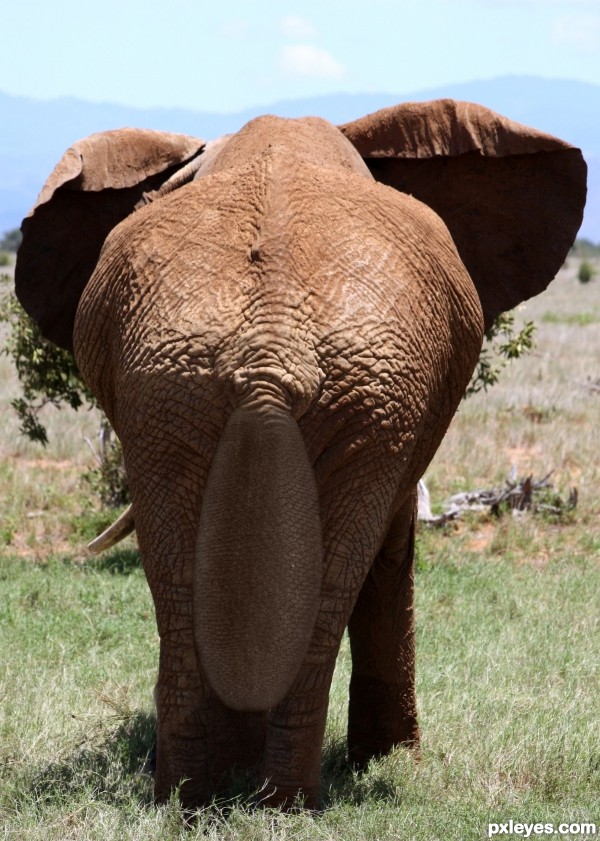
280	344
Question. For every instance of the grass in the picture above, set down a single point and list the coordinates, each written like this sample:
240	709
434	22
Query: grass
578	318
508	634
508	689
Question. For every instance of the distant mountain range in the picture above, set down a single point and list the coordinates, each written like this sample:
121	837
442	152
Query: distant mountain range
36	133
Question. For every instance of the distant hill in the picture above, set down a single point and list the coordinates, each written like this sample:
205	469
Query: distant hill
36	133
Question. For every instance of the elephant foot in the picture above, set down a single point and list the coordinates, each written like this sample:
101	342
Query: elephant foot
381	717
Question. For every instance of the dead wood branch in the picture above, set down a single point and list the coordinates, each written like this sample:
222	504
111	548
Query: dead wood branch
517	495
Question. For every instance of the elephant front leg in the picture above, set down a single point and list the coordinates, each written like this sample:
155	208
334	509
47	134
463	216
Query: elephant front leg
382	711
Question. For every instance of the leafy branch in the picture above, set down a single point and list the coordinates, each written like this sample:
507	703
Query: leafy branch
48	374
503	343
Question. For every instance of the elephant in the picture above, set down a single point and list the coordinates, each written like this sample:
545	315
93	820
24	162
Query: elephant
280	325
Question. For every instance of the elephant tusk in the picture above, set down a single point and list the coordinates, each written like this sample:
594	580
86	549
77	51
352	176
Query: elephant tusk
121	527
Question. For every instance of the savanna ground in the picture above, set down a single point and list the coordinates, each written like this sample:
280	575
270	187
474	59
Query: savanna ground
507	626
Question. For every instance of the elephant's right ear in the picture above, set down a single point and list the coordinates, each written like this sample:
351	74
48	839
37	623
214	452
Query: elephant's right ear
95	185
512	197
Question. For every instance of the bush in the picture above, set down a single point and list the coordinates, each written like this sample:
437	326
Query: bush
502	344
586	271
108	480
49	374
583	249
11	240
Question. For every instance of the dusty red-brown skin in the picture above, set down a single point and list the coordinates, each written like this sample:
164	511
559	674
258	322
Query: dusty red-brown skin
280	342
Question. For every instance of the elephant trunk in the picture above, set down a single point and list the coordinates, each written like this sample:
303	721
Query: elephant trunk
258	568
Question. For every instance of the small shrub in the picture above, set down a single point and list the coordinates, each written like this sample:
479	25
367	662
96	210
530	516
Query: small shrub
584	248
5	259
47	373
109	480
502	344
7	532
11	240
586	271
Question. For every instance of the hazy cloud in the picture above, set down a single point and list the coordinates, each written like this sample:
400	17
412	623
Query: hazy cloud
578	30
297	28
307	60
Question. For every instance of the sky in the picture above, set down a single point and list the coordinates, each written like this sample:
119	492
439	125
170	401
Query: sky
228	55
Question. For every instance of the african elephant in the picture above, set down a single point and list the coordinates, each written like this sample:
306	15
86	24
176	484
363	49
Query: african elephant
280	326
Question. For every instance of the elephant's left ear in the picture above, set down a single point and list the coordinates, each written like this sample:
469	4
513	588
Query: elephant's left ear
512	197
95	185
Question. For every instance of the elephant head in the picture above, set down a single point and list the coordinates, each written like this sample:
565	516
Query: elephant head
280	325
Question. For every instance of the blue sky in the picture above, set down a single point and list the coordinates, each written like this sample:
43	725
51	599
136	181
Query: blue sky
229	55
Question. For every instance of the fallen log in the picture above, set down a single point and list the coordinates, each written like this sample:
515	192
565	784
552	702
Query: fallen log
517	495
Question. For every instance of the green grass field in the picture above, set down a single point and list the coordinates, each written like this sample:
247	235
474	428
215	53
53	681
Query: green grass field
508	632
